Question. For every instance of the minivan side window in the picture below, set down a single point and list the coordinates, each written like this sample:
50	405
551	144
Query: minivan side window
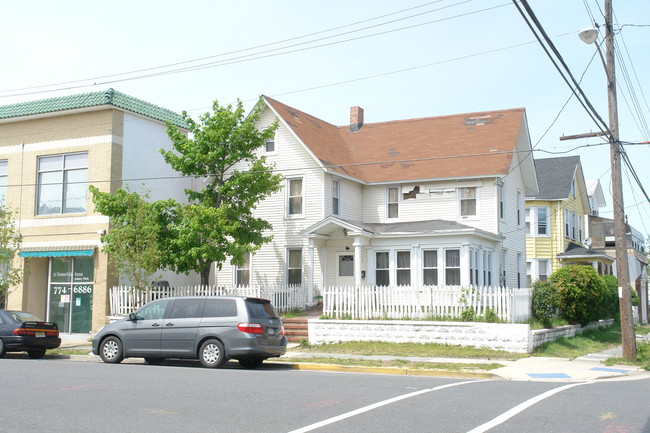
155	311
260	309
186	308
220	308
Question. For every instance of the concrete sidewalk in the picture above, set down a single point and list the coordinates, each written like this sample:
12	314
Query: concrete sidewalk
589	367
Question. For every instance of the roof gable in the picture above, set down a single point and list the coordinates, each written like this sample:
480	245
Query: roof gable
445	147
94	99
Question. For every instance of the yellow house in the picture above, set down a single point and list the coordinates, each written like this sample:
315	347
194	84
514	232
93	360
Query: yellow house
50	151
555	221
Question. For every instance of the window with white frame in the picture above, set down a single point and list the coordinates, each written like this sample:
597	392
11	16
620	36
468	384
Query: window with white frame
269	146
243	272
62	184
452	267
403	271
336	190
572	218
537	221
520	206
473	267
4	175
579	227
573	187
382	268
567	224
538	269
295	197
430	267
502	200
392	202
543	267
504	270
519	258
487	268
468	201
294	266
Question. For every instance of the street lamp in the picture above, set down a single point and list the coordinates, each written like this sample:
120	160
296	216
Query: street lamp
589	36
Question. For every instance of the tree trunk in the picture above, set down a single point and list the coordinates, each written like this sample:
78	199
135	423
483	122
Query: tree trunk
205	275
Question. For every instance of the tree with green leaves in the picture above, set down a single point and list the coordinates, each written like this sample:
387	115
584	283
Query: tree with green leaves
218	222
135	242
10	240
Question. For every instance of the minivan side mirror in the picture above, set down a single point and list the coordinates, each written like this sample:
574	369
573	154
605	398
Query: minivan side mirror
133	317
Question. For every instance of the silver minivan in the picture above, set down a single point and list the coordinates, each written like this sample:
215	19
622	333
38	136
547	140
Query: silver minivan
211	329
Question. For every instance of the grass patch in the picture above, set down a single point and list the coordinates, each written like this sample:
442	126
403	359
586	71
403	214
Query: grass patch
367	348
399	363
296	312
592	341
65	351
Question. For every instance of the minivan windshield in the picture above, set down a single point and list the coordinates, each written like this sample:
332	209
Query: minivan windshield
260	309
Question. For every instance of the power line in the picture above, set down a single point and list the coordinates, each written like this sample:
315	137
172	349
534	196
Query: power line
264	55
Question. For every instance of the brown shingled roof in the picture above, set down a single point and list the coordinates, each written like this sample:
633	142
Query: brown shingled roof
413	149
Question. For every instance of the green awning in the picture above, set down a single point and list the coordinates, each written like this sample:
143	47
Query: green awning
56	253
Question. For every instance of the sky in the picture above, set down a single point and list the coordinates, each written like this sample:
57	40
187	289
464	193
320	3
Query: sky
397	60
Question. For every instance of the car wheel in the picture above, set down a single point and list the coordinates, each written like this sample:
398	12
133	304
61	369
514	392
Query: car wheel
251	363
36	353
212	354
111	351
2	348
153	361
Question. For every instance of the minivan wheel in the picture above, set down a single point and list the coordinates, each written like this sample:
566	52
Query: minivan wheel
153	361
212	354
111	350
251	363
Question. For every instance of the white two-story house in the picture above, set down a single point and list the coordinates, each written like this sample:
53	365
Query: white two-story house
428	201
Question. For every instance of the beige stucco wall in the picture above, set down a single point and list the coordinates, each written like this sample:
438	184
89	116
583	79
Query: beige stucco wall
22	142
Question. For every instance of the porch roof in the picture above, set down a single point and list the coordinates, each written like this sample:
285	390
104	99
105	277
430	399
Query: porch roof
328	226
575	251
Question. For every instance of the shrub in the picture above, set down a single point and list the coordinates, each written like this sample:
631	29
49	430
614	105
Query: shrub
611	308
468	314
545	303
581	292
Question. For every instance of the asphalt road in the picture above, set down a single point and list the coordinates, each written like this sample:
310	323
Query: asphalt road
68	396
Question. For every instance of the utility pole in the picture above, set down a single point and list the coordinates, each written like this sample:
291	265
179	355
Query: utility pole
620	232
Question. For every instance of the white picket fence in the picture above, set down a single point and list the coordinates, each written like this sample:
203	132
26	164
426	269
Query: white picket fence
428	302
124	299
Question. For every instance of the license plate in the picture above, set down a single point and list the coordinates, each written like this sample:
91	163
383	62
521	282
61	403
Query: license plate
271	331
39	334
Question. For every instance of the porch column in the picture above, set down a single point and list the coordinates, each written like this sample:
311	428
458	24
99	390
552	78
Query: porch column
464	264
310	274
357	260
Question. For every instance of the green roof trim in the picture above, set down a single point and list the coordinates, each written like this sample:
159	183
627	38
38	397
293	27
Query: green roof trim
94	99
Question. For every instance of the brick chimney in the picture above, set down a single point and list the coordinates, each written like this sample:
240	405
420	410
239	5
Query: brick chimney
356	118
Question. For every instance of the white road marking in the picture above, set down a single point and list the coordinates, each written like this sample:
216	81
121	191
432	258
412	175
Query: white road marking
521	407
377	405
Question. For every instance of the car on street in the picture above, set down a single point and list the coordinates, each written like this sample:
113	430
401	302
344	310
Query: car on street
212	329
21	331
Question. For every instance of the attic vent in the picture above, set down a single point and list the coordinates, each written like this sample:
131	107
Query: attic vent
477	121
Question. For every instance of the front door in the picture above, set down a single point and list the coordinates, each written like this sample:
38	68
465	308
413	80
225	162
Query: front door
344	269
71	293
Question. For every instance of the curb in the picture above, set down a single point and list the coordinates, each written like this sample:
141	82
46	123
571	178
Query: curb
388	370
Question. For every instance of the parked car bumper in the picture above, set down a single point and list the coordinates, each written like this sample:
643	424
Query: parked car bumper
20	343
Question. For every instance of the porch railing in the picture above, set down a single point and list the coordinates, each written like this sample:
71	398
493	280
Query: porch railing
427	302
124	299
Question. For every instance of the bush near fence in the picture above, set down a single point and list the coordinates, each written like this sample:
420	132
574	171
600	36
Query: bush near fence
126	299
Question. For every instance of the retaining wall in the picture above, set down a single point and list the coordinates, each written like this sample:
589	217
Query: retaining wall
498	336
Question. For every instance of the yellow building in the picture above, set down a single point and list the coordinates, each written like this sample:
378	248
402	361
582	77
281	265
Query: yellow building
50	152
555	221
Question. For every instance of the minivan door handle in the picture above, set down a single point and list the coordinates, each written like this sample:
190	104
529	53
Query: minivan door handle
155	324
169	324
